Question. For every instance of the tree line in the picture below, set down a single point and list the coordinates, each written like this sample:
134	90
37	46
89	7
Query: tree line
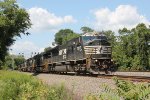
131	48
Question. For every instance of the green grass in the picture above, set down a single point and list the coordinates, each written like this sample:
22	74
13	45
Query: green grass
125	90
18	86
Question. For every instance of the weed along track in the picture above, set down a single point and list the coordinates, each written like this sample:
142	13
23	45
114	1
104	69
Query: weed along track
21	86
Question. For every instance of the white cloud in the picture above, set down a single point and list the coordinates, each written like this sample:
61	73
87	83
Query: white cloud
25	47
44	20
41	49
122	16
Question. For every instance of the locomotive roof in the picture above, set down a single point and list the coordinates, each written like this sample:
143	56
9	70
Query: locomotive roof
93	34
56	47
50	50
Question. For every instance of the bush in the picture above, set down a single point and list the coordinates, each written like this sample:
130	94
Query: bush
18	86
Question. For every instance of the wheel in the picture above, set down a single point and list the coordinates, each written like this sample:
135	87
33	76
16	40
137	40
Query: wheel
77	73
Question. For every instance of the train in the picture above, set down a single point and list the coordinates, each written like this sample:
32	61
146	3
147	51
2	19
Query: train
89	53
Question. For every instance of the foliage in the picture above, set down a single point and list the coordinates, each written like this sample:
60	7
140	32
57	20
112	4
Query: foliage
8	62
17	86
130	48
125	90
12	61
86	29
64	35
18	59
14	21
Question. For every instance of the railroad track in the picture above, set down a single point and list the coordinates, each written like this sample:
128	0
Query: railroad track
129	78
122	77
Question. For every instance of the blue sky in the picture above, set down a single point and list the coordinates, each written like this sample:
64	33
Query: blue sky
49	16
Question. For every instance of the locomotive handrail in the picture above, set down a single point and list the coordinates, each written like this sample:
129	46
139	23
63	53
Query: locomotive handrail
88	58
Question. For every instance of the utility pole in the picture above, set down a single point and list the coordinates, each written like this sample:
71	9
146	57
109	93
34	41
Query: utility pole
12	62
148	43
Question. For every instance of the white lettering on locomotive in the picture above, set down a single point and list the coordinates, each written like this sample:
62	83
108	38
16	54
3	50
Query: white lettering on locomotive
62	52
79	48
97	50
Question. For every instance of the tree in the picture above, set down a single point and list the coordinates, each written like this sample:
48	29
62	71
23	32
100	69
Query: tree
143	36
132	50
12	61
64	35
14	21
86	29
111	37
18	59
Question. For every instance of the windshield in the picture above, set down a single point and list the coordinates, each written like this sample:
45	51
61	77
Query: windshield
98	42
95	40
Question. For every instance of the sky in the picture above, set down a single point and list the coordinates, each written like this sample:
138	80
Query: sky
49	16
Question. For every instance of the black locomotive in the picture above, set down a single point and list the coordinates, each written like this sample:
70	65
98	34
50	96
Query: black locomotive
89	53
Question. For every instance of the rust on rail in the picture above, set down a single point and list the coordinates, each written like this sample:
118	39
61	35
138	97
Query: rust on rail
130	78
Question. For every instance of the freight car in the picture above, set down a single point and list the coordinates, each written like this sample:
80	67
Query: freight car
89	53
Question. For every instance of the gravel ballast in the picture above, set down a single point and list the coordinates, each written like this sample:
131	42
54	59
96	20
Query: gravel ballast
80	86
